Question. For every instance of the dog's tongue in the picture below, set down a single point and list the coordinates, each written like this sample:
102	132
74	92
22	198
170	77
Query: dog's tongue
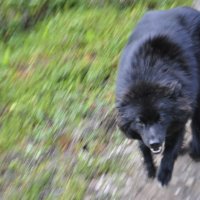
156	150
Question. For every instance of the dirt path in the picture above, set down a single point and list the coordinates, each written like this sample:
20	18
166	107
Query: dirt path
132	183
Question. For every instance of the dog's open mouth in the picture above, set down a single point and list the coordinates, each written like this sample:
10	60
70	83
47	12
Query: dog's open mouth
156	150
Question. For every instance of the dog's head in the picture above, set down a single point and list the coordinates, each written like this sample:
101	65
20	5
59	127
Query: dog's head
150	111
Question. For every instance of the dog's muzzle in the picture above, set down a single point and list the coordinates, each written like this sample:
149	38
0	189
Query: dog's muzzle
156	148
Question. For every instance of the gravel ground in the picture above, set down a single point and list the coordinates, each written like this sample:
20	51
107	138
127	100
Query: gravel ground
132	184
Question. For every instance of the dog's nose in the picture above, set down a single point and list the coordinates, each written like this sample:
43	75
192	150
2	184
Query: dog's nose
155	146
154	143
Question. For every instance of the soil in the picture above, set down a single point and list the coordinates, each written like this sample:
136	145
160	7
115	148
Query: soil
132	183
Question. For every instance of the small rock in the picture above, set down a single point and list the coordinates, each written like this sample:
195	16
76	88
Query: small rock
177	192
189	182
99	183
107	189
184	168
175	180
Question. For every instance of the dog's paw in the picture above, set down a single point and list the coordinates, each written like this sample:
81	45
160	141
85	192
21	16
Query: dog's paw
183	151
195	156
194	153
164	176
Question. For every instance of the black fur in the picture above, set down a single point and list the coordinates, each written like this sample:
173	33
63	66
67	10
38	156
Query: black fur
158	85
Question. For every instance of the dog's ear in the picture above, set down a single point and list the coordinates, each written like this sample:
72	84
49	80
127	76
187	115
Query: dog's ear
133	135
125	129
122	125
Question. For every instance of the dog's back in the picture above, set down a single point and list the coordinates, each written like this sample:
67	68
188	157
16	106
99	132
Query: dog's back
181	19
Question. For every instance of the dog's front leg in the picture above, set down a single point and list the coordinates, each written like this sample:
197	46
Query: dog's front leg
148	160
172	148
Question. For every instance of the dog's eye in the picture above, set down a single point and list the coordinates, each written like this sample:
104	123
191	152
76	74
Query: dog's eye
139	122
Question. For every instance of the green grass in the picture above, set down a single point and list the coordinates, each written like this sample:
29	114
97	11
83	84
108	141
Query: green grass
51	79
52	76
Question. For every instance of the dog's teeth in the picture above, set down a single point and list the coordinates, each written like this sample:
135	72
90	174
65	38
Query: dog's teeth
156	151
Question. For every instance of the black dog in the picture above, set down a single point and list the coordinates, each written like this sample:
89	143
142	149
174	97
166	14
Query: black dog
158	86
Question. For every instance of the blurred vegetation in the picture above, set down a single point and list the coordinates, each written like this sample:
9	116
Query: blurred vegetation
58	61
20	15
